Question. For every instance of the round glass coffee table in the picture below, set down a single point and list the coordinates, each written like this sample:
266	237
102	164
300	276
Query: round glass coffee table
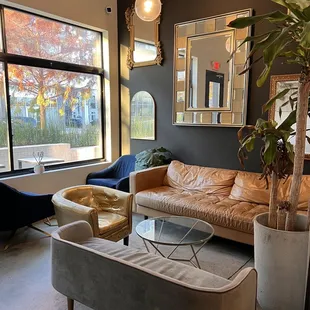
175	231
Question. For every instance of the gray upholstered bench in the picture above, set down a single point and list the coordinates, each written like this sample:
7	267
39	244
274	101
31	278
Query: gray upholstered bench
105	275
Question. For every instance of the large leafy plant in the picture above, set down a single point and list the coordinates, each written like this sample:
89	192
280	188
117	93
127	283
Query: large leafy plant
289	39
277	158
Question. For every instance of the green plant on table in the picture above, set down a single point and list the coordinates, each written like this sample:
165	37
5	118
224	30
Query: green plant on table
288	40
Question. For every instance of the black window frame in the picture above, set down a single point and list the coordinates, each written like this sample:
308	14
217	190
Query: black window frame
8	58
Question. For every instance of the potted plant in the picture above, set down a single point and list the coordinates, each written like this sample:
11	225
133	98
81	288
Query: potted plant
281	255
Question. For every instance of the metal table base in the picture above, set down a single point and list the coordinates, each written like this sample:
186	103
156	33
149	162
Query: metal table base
169	256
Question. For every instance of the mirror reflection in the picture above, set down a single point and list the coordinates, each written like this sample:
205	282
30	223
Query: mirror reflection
208	87
145	47
142	116
210	74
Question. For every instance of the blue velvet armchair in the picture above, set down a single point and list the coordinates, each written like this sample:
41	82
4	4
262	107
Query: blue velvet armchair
23	209
116	176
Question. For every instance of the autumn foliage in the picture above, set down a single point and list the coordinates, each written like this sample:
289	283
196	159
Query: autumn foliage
33	36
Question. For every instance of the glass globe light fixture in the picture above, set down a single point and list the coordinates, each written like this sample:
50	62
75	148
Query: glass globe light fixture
148	10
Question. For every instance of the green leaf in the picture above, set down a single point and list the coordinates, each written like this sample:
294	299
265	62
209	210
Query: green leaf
270	149
270	103
288	122
293	8
260	123
250	66
285	134
243	22
263	77
306	13
290	150
305	36
288	54
250	39
250	143
273	50
261	45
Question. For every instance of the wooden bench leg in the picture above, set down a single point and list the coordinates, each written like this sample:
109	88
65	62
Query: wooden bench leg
70	303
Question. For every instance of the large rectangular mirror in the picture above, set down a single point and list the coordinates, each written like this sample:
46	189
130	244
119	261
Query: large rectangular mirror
208	90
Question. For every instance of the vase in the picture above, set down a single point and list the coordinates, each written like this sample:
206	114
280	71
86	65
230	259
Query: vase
281	260
39	169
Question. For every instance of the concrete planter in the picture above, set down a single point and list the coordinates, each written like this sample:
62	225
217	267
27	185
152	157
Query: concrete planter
281	260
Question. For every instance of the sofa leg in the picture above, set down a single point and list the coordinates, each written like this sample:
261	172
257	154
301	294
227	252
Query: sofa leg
70	303
146	217
126	240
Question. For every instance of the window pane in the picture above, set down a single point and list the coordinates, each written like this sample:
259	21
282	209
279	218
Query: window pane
4	150
34	36
55	112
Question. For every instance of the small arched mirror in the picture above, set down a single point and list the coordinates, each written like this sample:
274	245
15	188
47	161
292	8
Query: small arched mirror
142	116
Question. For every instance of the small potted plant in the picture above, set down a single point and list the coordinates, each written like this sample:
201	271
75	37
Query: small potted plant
39	167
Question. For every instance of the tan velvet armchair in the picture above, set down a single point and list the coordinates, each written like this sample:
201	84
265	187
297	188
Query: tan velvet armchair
108	211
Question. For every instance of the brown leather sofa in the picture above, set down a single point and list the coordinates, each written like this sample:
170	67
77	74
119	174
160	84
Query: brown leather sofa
227	199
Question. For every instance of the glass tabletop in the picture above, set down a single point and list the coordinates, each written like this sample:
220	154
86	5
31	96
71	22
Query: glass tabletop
175	230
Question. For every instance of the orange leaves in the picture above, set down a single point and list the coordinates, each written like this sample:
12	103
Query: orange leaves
67	92
86	94
15	72
35	36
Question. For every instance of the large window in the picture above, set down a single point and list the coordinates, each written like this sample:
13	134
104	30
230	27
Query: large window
51	82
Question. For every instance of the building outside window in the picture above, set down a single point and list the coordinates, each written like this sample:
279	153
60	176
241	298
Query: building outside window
51	80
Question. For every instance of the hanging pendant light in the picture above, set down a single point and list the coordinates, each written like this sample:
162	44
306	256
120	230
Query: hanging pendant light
148	10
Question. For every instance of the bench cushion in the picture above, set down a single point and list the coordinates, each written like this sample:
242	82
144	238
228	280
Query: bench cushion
155	263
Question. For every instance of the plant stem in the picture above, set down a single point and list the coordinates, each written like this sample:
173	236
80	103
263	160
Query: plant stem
308	216
272	219
300	145
281	219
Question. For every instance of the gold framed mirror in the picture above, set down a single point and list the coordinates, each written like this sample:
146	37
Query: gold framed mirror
145	46
279	83
208	89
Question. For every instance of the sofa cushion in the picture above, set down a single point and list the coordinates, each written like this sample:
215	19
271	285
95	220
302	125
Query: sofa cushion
214	209
197	178
109	222
157	264
250	187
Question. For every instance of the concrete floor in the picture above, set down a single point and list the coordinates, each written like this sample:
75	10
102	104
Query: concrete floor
25	267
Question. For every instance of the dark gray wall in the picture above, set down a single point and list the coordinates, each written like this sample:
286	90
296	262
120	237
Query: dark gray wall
207	146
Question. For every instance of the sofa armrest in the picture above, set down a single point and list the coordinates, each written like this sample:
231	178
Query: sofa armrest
146	179
244	286
74	232
68	211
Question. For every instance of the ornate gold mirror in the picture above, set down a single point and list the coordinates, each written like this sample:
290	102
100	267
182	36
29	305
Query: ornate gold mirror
208	90
282	107
145	47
